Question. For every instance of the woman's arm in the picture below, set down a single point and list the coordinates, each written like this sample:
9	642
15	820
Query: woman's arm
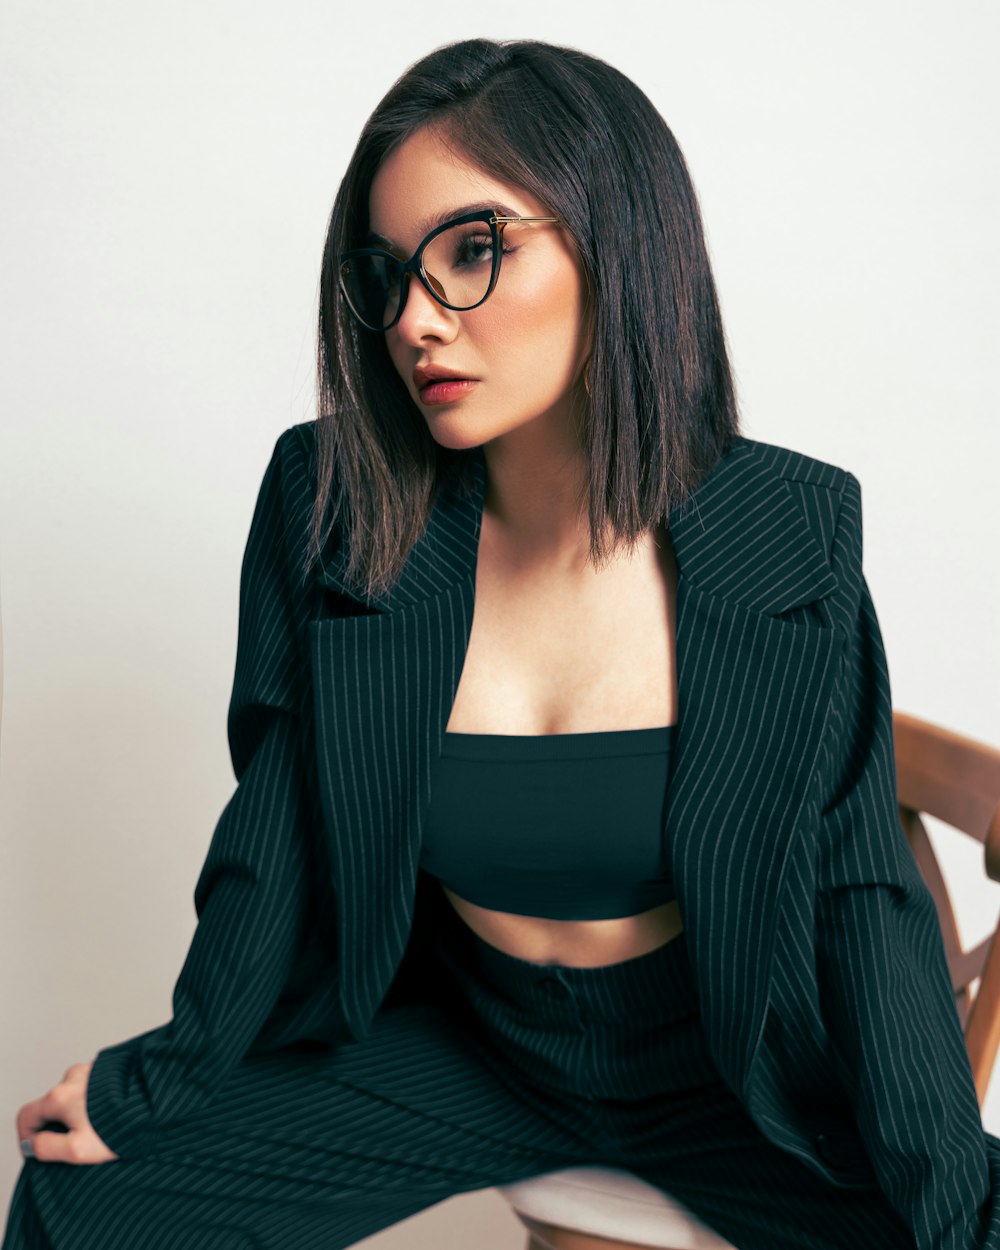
884	981
252	893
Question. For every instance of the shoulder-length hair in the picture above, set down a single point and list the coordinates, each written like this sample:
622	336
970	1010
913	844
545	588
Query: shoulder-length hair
582	138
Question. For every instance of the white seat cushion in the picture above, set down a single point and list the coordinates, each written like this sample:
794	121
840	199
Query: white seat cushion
609	1202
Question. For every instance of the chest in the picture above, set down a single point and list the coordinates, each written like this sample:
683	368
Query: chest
553	653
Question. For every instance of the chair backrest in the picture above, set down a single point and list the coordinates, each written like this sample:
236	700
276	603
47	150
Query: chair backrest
956	780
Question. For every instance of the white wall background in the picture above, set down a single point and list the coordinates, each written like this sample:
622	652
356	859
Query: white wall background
168	174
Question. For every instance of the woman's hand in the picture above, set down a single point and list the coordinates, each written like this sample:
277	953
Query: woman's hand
65	1102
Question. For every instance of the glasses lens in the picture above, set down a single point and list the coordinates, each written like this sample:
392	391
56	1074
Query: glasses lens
371	285
458	263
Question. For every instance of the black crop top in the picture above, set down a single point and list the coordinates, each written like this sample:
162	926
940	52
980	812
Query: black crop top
564	826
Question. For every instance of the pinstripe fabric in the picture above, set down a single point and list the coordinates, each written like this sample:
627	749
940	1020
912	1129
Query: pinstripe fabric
814	945
625	1044
509	1068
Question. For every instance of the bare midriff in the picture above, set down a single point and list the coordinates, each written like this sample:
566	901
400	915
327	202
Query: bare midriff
577	943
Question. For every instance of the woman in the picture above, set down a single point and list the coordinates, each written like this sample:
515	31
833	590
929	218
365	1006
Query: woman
609	871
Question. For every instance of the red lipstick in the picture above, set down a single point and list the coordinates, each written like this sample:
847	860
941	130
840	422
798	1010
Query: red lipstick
438	385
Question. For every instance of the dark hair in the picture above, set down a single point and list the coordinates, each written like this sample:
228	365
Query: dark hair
578	135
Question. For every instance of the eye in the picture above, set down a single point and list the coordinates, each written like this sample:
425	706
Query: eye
474	249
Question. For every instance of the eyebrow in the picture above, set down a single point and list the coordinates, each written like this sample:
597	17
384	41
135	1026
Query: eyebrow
373	239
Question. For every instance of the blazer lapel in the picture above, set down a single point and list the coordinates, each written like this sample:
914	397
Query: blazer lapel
753	695
384	683
754	692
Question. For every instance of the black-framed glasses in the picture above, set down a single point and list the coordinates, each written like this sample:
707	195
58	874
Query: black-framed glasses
458	263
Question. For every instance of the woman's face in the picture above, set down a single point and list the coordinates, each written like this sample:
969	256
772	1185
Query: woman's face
525	347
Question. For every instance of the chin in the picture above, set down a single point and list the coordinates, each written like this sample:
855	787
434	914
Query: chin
456	440
460	430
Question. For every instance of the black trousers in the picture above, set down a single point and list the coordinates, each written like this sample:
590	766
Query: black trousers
510	1068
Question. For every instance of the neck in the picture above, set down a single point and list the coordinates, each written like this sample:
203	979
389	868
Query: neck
535	504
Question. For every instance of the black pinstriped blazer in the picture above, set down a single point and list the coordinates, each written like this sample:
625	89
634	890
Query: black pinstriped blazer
815	944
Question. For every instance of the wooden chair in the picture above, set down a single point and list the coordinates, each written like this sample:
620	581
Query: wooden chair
939	774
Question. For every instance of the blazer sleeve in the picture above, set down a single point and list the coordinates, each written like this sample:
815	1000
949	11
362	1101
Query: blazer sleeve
251	894
884	983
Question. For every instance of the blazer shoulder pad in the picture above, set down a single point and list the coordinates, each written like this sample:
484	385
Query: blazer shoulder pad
796	466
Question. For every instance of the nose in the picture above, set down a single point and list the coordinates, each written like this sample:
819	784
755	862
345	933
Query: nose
423	317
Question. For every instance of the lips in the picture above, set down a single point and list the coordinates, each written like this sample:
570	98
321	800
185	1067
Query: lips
427	375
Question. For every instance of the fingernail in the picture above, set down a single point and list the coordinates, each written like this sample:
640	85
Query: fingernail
27	1149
